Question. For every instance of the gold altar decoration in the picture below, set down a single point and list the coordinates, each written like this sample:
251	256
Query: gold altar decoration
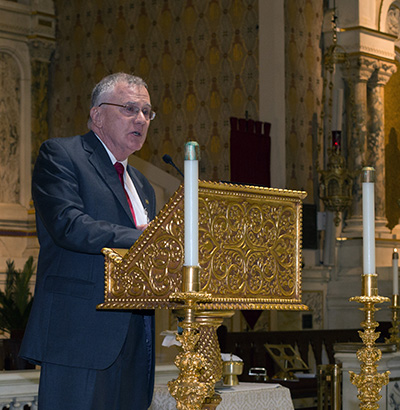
336	184
188	389
249	252
249	258
394	330
231	370
369	382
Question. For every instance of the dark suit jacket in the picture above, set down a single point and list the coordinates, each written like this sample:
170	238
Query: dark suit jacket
80	208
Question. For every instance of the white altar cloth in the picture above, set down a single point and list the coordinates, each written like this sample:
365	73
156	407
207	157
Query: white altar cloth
245	396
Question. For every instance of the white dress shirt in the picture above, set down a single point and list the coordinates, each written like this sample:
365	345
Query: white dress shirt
140	212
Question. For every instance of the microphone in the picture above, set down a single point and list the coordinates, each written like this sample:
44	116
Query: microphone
168	160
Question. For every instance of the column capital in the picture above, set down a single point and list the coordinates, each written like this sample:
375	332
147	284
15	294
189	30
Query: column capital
41	49
359	68
384	70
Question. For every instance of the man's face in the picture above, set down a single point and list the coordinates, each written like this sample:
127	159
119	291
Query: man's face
122	133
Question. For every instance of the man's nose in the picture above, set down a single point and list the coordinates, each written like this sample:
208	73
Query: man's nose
140	117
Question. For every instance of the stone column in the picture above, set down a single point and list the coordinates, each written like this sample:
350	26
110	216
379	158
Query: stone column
366	77
376	136
357	72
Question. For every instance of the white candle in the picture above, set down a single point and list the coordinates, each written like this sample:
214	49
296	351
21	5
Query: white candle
191	196
395	265
368	203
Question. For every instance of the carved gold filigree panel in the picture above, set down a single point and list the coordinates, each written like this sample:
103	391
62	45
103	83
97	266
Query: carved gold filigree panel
249	252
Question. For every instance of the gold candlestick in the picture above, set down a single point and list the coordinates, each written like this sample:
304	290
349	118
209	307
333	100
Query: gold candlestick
394	330
189	390
369	382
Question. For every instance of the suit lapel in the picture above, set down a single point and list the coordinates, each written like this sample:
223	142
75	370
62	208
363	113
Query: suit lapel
100	160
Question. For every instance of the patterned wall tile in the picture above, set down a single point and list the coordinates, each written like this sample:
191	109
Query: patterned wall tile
200	59
303	91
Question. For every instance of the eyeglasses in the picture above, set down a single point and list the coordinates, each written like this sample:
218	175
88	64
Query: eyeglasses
132	110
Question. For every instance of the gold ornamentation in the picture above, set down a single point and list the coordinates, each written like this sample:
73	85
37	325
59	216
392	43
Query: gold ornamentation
209	321
205	376
336	184
249	252
190	389
231	370
369	382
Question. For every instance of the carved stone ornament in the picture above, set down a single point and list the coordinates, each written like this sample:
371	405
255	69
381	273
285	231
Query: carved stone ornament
249	252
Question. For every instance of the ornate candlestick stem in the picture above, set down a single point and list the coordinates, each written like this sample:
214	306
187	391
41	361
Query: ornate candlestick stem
369	382
394	330
189	390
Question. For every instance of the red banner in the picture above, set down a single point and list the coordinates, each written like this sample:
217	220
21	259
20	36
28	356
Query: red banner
250	152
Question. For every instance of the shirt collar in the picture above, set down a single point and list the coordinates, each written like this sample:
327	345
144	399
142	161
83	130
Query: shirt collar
111	155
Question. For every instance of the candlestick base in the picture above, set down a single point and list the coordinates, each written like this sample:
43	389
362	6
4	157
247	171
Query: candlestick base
369	382
394	330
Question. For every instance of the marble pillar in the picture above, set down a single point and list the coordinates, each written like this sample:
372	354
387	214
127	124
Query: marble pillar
357	72
376	136
365	79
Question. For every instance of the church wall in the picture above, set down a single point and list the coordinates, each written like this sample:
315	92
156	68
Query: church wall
201	61
199	58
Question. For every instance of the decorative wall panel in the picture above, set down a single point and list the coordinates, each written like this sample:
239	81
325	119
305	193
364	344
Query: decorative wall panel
303	25
10	138
200	59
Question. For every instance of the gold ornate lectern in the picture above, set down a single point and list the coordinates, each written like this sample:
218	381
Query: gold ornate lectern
249	258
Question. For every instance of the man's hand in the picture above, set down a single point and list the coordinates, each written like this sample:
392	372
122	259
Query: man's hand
142	227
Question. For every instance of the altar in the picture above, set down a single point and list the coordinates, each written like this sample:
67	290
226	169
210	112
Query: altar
245	396
19	389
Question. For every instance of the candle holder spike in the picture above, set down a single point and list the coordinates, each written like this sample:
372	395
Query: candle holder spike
369	382
394	330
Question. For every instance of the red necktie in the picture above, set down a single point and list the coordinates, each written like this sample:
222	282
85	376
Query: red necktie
120	171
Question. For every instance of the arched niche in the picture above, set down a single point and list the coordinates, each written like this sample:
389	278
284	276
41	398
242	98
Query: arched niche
384	14
15	124
389	21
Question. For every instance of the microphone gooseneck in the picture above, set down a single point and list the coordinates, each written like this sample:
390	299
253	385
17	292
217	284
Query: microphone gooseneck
168	160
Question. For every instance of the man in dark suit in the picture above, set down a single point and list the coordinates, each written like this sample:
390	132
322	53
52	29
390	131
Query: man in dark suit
91	360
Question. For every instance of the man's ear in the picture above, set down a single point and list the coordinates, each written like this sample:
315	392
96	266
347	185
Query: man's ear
97	118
